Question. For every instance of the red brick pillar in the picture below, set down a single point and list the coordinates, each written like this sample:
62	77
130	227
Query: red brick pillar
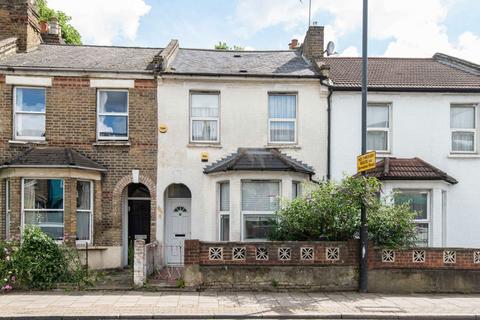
192	252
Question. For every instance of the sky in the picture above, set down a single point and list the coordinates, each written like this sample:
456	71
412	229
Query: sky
397	28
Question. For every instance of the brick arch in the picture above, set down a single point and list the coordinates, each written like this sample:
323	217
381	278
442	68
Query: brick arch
117	202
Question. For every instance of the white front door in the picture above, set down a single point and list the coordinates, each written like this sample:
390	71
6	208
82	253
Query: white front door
177	229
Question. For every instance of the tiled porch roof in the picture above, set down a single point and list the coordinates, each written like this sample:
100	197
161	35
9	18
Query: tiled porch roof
408	169
258	159
53	158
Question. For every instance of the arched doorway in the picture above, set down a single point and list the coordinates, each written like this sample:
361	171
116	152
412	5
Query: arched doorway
138	215
178	205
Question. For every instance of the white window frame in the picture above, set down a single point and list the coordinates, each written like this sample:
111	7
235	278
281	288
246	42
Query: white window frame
16	111
222	213
216	119
7	209
270	120
256	213
90	231
298	188
428	220
117	114
474	130
388	130
57	210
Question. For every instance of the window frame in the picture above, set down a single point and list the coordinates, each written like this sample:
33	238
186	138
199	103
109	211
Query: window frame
256	213
16	111
113	114
294	120
297	187
388	130
223	213
192	118
22	222
91	211
428	219
464	130
7	209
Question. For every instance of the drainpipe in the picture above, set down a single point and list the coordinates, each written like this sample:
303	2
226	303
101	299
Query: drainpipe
329	131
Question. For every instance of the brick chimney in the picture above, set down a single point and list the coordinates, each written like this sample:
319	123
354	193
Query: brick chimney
313	44
19	18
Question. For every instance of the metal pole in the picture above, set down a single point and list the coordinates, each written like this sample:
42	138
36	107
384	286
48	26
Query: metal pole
363	227
309	12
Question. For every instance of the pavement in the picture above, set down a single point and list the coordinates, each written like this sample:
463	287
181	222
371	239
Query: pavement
236	305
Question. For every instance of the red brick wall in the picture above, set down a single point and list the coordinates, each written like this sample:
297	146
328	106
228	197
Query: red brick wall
71	122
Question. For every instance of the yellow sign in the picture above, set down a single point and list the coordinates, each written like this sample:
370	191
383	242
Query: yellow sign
366	161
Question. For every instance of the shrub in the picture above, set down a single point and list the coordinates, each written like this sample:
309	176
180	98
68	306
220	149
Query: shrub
331	211
7	275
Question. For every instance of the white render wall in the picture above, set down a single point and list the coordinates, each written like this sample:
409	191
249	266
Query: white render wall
420	127
243	123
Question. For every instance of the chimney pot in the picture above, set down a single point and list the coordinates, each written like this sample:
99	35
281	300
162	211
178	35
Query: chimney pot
54	27
293	44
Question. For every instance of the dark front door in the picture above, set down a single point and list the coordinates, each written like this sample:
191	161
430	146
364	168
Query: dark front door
139	220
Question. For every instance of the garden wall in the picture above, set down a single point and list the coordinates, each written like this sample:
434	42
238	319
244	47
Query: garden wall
328	266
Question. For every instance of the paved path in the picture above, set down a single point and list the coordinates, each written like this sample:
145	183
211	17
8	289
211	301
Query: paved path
241	305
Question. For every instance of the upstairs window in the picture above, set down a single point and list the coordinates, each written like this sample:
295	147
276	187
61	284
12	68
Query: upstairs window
112	122
29	113
282	118
204	117
378	127
463	127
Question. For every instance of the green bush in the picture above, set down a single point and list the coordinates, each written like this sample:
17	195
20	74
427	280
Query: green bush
331	211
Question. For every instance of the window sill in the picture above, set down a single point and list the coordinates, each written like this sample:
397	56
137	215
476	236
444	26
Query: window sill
81	246
464	156
204	145
283	146
112	143
27	142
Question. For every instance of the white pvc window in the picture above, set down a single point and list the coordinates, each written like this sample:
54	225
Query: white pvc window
378	127
419	202
112	115
296	189
84	211
7	209
29	113
260	200
224	206
282	118
204	117
463	127
43	205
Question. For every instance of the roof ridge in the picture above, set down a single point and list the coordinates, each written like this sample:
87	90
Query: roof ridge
236	51
98	46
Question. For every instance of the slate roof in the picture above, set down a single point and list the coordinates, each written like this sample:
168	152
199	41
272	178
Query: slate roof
438	72
258	159
244	63
84	58
53	157
408	169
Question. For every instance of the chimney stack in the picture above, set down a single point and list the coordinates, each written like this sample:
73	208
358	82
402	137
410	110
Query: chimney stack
313	44
19	18
52	34
293	44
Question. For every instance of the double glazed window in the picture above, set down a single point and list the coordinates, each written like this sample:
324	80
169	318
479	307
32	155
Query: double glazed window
204	117
419	202
7	209
260	200
43	205
296	189
224	206
29	113
84	211
463	126
282	118
378	127
112	122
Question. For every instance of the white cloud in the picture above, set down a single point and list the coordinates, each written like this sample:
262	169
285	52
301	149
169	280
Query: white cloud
103	21
411	27
351	51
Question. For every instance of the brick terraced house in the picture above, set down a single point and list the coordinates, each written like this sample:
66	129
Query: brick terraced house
78	142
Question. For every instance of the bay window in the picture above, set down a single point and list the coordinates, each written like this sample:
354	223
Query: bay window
296	189
112	115
84	211
29	113
463	127
43	205
282	118
224	206
419	201
7	209
378	127
260	200
204	117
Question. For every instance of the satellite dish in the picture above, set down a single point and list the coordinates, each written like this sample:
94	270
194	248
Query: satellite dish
330	48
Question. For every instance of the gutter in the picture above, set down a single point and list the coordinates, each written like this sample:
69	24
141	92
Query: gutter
20	68
240	75
52	167
409	89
